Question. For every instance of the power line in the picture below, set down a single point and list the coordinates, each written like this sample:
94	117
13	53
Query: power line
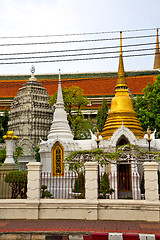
78	49
77	59
80	54
78	34
75	41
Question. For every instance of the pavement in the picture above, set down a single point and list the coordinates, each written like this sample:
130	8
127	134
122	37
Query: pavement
80	229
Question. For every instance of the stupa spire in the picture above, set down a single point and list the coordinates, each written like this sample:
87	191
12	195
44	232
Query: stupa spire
59	93
121	112
121	80
157	54
32	78
60	128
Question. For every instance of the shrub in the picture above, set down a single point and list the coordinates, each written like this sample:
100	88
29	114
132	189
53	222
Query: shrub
44	192
105	186
18	182
79	185
2	155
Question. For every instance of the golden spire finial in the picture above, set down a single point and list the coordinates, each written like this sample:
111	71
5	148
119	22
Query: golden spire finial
121	81
157	54
121	43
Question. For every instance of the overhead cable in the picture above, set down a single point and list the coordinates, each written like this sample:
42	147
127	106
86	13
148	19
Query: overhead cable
78	49
74	41
77	34
77	59
76	55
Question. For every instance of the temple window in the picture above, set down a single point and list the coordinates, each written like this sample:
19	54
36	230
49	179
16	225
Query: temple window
57	160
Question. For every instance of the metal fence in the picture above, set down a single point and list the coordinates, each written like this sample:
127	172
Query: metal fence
13	185
71	185
121	186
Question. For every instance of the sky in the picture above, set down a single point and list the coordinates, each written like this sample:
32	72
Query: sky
61	17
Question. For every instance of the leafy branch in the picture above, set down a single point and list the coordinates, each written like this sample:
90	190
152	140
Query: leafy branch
124	154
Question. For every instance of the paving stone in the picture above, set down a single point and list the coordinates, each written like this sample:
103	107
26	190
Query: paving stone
115	236
75	237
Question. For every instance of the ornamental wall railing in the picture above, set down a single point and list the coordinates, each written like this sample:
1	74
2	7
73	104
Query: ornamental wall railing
69	186
74	186
121	186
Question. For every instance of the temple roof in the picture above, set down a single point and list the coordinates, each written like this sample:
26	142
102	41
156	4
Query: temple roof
93	84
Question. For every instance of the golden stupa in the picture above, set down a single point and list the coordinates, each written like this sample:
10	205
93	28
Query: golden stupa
121	111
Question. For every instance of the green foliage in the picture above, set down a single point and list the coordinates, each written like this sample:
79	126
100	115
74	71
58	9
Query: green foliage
102	115
37	154
4	124
76	159
79	185
2	155
81	127
44	192
147	106
105	186
74	102
18	182
17	153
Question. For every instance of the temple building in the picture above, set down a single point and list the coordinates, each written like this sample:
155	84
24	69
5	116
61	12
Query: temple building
30	117
121	127
33	120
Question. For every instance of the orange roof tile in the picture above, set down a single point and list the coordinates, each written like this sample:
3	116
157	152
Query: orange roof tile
92	86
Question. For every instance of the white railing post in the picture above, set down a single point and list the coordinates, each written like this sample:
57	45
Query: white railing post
91	190
151	181
33	189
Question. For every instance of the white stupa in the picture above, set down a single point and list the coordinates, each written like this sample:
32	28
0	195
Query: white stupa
60	127
60	132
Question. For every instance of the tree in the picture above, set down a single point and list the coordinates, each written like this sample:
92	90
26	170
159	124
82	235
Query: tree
74	102
147	106
102	115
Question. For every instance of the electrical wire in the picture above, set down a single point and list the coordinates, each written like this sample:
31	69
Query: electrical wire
78	34
80	54
75	41
77	59
72	56
78	49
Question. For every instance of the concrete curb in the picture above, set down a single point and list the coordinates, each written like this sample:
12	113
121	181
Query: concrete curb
121	236
93	236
